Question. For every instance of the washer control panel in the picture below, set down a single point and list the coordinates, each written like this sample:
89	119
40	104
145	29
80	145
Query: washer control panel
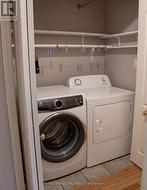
61	103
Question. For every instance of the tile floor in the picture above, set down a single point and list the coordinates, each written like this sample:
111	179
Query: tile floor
88	175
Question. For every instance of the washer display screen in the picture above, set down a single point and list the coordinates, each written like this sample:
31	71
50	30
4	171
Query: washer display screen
62	136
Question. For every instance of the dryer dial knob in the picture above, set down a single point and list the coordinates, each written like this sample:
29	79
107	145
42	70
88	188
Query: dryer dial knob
103	79
78	82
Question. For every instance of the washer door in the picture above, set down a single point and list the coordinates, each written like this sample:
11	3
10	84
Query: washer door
62	136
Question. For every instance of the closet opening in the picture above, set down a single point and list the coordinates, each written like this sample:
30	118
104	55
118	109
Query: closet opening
80	38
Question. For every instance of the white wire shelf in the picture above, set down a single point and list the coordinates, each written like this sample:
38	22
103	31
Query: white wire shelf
67	33
84	34
108	36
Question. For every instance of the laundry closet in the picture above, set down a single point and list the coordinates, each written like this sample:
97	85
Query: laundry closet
97	19
71	38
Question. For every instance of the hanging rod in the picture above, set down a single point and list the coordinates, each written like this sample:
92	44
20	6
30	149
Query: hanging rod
67	46
84	46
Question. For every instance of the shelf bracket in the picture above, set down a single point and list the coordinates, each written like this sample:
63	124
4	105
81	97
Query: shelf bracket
83	48
119	41
91	56
83	40
66	49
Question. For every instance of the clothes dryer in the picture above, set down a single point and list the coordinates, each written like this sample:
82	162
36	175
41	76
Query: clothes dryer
109	117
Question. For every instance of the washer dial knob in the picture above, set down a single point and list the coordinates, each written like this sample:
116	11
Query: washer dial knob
59	104
78	82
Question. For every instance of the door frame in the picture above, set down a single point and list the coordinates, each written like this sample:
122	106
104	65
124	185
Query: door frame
33	83
137	155
26	77
144	175
11	103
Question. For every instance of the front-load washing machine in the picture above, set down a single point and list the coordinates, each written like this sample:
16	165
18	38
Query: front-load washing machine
62	119
109	117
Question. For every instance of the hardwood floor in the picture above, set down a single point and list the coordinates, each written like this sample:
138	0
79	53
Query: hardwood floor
88	176
127	179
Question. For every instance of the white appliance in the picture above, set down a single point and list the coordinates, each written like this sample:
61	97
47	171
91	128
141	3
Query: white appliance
62	118
109	114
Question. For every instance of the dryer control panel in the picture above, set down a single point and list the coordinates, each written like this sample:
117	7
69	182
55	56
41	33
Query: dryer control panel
61	103
88	82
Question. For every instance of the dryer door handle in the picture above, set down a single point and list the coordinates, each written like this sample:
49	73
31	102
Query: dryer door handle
99	129
99	121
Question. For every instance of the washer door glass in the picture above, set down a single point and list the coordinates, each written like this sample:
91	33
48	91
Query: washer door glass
62	136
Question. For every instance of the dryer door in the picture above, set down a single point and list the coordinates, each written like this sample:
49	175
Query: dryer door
112	121
62	135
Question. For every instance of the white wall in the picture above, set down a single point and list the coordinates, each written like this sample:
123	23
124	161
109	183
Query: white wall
109	16
121	16
7	172
120	67
56	70
64	15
